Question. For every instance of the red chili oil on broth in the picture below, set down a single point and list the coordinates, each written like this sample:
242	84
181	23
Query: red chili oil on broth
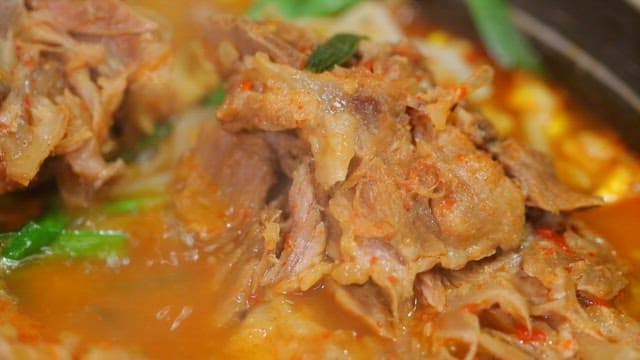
160	301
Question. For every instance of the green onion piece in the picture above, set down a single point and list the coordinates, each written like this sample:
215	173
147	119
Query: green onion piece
6	237
126	206
301	8
255	11
90	243
324	7
161	131
215	98
502	39
32	237
336	51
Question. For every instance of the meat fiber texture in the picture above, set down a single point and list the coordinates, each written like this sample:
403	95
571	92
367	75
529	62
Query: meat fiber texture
399	198
64	69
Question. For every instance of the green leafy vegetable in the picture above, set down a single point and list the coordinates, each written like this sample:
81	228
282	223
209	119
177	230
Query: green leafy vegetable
49	232
90	243
35	235
6	237
215	98
301	8
336	51
125	206
161	131
504	42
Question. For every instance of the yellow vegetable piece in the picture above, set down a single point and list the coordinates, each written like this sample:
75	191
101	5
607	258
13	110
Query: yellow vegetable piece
531	95
438	37
558	124
501	119
616	184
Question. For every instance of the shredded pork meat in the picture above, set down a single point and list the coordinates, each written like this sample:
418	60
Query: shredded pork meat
534	173
64	69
